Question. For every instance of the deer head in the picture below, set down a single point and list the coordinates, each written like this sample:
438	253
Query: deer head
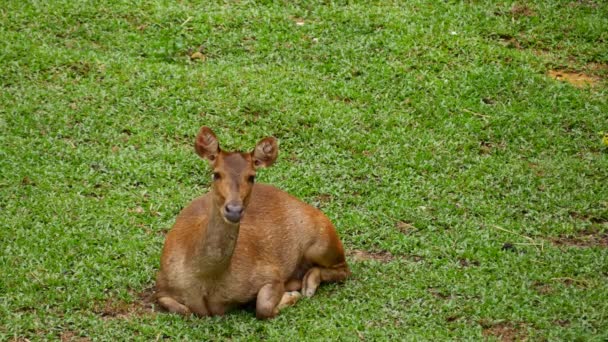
233	172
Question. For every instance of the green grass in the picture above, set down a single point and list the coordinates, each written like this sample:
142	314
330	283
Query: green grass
426	129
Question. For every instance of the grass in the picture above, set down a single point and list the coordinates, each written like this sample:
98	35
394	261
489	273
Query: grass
470	185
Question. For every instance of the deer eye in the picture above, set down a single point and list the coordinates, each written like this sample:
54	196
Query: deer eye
216	176
251	179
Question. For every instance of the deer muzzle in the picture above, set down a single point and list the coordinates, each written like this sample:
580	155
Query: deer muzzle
233	212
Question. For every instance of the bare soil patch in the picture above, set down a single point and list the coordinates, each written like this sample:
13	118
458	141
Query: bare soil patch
521	10
577	79
64	336
487	147
467	262
510	42
588	3
116	308
361	255
321	200
507	40
69	335
591	237
384	257
567	281
516	11
405	227
597	67
586	217
438	293
505	331
452	318
542	288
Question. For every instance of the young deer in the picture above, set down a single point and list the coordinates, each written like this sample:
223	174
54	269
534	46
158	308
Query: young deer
242	241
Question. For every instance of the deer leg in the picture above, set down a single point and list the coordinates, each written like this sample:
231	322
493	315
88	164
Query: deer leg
269	297
312	280
173	306
316	275
289	299
330	264
293	285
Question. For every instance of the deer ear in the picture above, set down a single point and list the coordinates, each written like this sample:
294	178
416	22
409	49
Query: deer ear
265	152
206	144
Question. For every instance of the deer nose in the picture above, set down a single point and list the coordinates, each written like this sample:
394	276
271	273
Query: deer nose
233	212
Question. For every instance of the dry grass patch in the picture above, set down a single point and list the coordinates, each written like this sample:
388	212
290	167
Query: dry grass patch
116	308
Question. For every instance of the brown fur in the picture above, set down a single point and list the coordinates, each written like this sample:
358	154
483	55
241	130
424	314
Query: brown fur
280	244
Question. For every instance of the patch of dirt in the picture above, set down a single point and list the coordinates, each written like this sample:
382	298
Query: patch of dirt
507	40
115	308
137	210
505	331
537	169
590	237
361	255
69	335
415	258
601	67
518	10
80	68
161	232
298	21
590	218
344	99
438	293
320	200
511	43
486	147
522	11
488	100
578	3
577	79
405	227
324	198
542	288
382	256
546	53
27	181
466	262
508	246
452	318
580	283
197	54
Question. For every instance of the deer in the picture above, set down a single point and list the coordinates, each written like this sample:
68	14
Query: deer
244	241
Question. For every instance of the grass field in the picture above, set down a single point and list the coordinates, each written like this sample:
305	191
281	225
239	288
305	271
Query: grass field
457	146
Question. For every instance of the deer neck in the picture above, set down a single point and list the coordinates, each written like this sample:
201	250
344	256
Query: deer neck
218	243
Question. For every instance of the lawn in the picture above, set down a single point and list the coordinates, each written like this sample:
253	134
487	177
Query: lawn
458	146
